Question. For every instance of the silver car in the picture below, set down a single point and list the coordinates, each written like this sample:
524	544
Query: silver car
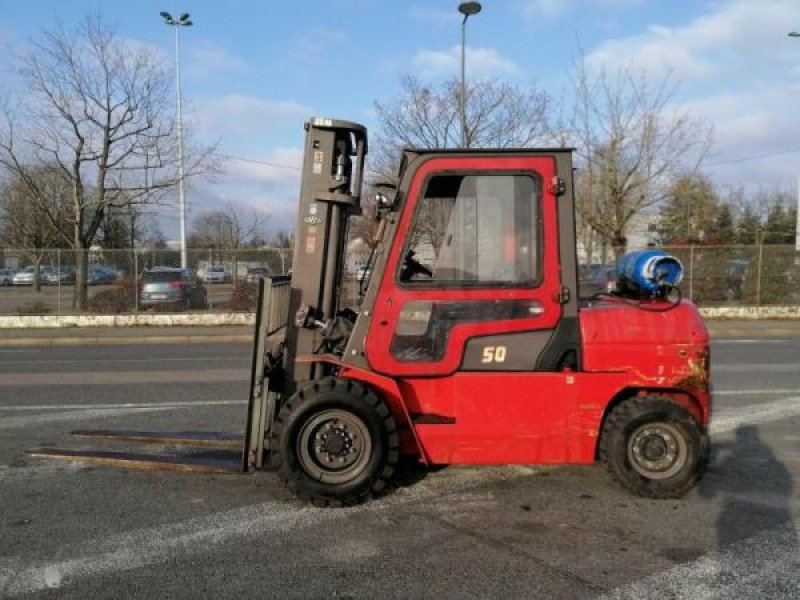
25	277
217	274
172	288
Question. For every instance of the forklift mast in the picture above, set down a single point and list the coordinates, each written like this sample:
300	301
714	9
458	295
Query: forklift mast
333	172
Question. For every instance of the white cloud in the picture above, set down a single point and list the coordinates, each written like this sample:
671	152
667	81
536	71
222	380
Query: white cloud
536	10
652	56
239	114
263	181
481	62
752	125
314	45
276	168
438	16
209	59
739	34
739	72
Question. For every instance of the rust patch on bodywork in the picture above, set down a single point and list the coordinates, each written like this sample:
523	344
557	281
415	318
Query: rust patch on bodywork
699	372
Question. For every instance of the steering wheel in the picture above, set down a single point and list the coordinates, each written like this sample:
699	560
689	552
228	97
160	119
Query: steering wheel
413	267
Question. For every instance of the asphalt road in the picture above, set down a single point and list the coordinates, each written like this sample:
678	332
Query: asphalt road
71	531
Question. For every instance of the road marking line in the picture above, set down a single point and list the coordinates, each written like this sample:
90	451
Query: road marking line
125	377
754	368
9	474
754	341
727	420
126	360
78	415
156	545
744	570
753	392
122	405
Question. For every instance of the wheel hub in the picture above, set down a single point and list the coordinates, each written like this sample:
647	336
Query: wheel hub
334	446
657	450
335	443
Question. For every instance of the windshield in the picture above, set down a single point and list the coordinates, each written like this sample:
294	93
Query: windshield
161	276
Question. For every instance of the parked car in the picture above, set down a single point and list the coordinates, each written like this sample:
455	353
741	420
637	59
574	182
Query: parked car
735	278
598	279
256	273
25	277
101	275
6	276
62	275
217	274
176	288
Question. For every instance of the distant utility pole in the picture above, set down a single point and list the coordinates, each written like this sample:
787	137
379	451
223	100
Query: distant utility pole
183	21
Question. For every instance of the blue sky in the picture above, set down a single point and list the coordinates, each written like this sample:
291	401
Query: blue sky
254	71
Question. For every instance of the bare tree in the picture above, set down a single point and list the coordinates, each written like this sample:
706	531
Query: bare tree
631	144
101	110
498	115
30	226
234	227
283	238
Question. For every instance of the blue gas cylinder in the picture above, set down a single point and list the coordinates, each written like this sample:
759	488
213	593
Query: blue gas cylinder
651	271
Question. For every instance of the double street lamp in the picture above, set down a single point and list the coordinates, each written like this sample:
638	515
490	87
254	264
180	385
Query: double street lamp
182	21
466	9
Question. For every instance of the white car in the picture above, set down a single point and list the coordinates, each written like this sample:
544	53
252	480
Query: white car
25	277
216	275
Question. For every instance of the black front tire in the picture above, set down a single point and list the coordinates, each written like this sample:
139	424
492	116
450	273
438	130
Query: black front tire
654	447
364	446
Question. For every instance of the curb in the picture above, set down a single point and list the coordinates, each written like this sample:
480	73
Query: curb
751	313
126	341
750	334
743	313
121	321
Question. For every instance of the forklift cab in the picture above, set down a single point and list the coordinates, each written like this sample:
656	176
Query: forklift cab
470	275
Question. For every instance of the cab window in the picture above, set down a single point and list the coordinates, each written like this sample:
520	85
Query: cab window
475	231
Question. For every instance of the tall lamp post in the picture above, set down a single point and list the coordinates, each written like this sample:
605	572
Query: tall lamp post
182	21
796	34
466	9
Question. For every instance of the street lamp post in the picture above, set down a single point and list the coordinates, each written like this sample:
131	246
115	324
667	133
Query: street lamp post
182	21
466	9
796	34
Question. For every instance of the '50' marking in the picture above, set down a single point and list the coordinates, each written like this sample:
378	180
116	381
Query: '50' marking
494	354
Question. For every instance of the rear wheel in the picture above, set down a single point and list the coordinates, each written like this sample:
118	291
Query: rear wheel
654	447
336	443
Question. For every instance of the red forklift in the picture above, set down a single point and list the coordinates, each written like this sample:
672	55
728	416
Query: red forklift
468	344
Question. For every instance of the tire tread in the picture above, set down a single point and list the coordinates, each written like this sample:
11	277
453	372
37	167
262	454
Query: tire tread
292	477
636	407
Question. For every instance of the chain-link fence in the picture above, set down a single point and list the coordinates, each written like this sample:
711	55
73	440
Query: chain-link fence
46	282
761	275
